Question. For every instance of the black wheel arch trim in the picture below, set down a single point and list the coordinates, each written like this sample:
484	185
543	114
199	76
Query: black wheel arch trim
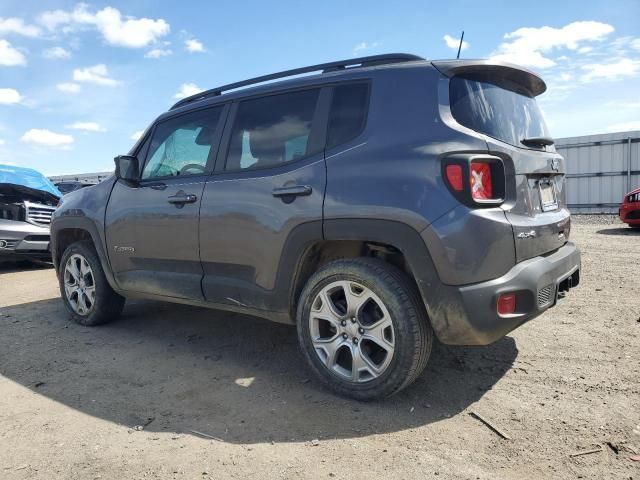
82	223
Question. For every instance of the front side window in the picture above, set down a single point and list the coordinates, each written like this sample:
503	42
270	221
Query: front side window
272	130
180	146
506	111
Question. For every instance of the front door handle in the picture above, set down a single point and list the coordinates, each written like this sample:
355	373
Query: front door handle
293	191
182	198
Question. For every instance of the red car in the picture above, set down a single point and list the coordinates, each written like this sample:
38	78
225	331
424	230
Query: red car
630	208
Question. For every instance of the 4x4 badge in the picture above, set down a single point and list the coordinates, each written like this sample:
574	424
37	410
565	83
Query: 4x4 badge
123	249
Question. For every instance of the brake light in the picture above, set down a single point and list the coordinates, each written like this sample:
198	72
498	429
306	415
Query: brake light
506	303
454	177
481	181
477	181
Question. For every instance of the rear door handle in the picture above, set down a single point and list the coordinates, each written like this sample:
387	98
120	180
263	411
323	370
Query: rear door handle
182	198
293	191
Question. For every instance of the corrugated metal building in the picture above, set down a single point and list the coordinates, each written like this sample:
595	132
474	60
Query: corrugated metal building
600	170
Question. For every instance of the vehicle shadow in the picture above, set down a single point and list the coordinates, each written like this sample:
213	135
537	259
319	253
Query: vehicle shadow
620	231
11	265
173	368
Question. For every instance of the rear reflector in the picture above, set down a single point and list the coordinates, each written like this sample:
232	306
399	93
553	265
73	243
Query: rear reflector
480	180
506	303
454	177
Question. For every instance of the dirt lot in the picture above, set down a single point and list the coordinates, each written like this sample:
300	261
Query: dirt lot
123	400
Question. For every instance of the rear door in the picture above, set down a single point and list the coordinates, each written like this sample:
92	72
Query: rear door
263	205
505	110
152	228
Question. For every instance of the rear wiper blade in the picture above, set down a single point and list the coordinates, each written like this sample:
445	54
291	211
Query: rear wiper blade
537	141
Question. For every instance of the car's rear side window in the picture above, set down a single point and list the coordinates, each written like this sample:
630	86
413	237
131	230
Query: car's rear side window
273	130
348	112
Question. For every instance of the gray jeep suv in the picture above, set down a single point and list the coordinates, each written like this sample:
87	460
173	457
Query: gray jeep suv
374	205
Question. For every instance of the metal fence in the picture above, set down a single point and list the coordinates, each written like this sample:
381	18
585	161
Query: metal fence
600	170
81	177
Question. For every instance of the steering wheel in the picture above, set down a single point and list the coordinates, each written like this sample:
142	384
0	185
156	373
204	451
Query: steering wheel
190	166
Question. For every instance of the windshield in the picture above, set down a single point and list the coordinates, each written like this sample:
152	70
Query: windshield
506	112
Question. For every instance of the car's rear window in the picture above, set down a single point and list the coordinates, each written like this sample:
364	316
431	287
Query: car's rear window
506	112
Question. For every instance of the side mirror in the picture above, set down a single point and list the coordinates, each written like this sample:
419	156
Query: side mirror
127	168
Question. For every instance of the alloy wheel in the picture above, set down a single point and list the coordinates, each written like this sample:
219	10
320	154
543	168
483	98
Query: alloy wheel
351	331
79	284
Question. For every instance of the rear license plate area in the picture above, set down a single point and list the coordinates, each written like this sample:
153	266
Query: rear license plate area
547	192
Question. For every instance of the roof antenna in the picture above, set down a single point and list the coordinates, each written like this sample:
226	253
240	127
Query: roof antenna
460	46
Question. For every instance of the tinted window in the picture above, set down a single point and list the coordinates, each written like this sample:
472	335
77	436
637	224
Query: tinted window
348	113
507	112
272	130
181	146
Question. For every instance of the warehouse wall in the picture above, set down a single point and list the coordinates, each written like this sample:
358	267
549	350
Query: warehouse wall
600	170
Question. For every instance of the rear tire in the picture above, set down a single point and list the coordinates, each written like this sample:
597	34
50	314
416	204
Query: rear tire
363	328
85	291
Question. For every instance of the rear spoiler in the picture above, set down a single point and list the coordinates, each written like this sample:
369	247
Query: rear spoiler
507	71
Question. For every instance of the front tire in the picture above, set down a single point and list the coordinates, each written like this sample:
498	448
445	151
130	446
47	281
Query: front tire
85	291
363	328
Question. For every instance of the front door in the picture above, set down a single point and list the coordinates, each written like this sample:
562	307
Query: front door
152	228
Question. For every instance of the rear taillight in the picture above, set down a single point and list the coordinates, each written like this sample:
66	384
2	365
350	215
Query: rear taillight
480	181
454	177
475	180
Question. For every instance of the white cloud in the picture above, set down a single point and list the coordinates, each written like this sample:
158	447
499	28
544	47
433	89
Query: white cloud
364	46
128	32
56	53
87	127
158	52
565	77
454	43
193	45
97	74
47	138
584	50
9	56
68	87
528	46
18	27
187	89
136	135
9	96
2	142
624	126
623	67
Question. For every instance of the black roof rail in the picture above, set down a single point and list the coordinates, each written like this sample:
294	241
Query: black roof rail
325	67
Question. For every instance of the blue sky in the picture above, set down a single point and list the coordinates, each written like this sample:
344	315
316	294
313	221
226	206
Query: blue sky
78	80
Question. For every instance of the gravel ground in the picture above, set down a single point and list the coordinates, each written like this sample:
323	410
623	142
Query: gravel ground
171	391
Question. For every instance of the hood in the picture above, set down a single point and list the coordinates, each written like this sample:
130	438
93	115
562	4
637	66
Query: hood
27	181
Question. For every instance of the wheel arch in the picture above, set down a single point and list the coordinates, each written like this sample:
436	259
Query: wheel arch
393	242
66	231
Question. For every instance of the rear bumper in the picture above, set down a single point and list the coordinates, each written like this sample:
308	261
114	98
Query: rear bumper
468	314
25	239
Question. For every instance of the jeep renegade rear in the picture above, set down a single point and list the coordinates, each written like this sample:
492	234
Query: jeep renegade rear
380	203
